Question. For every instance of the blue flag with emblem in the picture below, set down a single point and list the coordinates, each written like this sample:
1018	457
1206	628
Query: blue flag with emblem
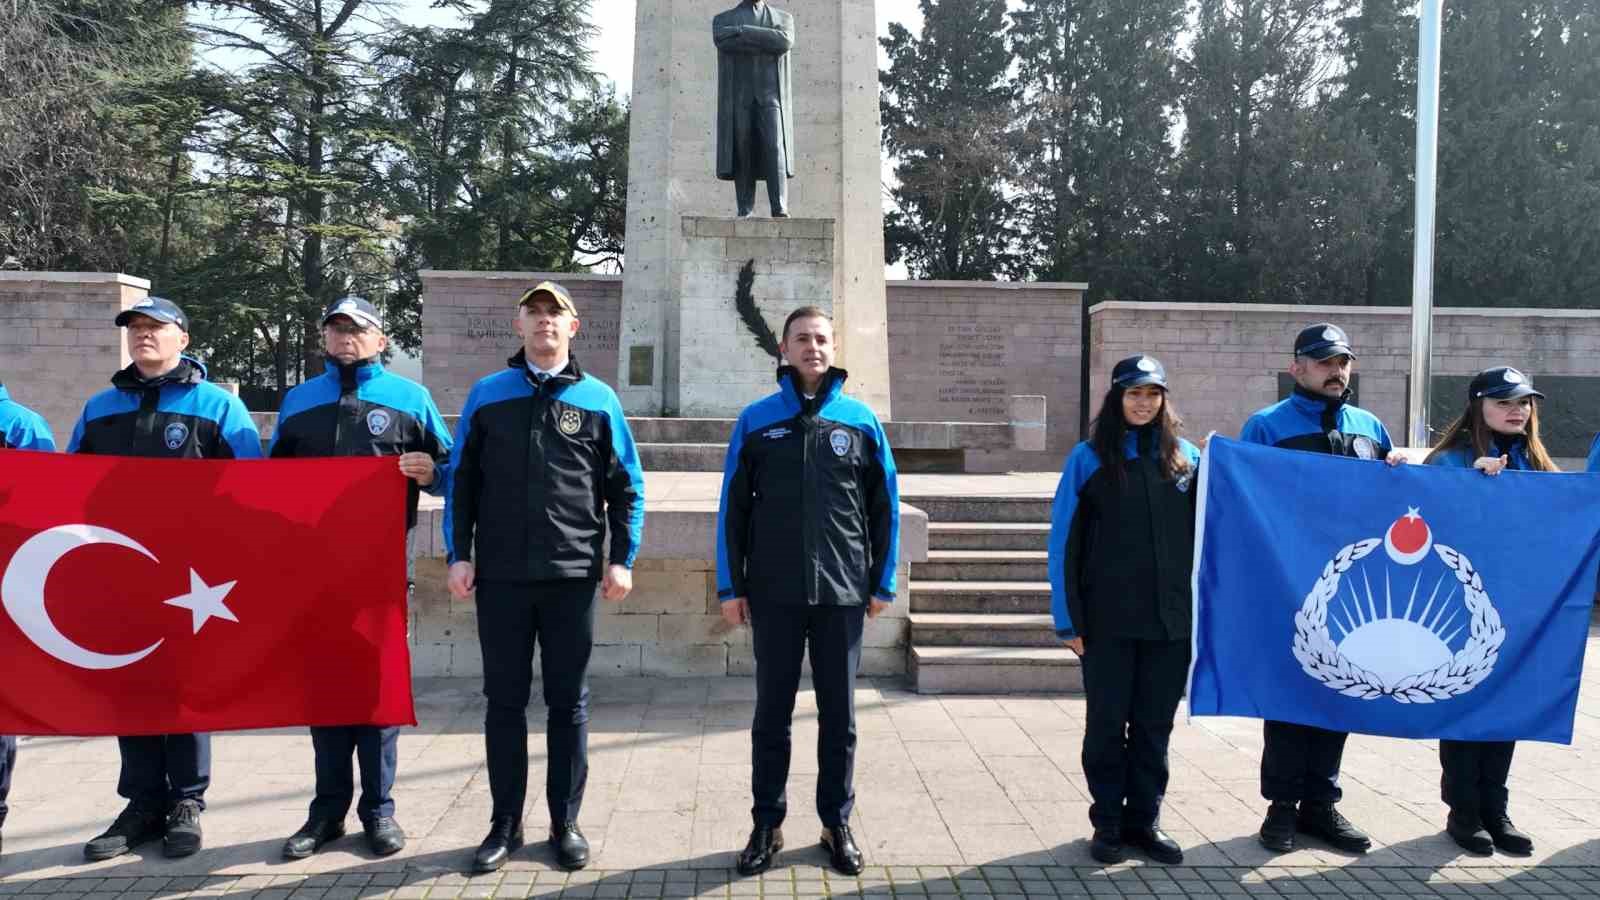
1417	601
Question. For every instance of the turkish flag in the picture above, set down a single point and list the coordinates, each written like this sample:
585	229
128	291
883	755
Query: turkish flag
151	596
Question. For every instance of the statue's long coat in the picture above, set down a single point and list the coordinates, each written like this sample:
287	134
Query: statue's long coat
773	33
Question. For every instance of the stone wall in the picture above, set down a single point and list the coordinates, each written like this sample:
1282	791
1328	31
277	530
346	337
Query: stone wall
58	343
670	625
467	328
791	265
1224	359
958	350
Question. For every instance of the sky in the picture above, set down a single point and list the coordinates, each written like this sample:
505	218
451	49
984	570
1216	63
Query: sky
613	51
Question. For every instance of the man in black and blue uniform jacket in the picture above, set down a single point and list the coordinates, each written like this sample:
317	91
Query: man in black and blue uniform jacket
357	408
162	406
1300	763
20	429
543	466
808	536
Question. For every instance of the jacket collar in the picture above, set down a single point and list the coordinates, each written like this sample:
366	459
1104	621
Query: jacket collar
188	371
4	394
572	374
789	386
359	372
1317	404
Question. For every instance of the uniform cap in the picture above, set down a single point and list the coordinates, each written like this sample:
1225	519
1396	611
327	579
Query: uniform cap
1323	340
552	290
357	308
158	308
1501	383
1136	371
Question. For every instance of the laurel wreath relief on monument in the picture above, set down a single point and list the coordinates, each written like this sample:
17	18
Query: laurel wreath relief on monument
744	301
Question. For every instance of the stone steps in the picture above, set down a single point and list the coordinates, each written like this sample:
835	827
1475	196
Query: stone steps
988	536
673	457
995	670
982	565
980	596
982	630
982	509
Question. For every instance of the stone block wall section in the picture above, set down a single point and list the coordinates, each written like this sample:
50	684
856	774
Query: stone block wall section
1223	359
791	260
959	350
670	625
467	326
58	343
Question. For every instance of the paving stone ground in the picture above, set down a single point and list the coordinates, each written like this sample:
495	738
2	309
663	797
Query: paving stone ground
978	797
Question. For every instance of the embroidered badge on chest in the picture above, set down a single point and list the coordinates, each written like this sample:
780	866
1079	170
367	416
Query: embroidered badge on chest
175	434
839	440
378	421
571	420
1364	447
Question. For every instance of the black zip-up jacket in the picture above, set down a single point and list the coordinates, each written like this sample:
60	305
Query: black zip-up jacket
537	472
364	410
810	510
1121	555
178	415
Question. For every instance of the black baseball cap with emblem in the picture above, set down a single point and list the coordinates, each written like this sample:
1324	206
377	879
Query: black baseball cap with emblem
1323	340
1501	383
158	308
357	308
1136	371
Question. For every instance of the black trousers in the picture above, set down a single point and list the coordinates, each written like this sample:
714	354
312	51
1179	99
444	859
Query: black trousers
1132	688
160	770
558	616
1473	783
376	749
781	634
758	152
1300	763
8	763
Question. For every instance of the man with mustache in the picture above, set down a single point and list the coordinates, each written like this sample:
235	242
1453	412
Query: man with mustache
1299	763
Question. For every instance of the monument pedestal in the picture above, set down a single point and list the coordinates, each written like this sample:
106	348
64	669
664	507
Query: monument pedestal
738	279
672	168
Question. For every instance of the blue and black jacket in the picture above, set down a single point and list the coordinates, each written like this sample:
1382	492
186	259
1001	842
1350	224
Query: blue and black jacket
810	511
536	474
1461	455
178	415
364	410
1594	455
1122	549
1307	421
21	428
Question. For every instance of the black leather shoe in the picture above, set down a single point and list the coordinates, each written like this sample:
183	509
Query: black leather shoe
1323	821
1155	843
1506	836
183	830
1469	834
761	850
1106	846
505	837
572	848
842	849
135	825
311	836
385	837
1277	830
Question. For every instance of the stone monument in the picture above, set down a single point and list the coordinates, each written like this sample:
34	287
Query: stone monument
755	103
686	344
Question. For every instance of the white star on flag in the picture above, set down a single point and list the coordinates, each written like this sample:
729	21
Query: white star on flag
205	601
1413	513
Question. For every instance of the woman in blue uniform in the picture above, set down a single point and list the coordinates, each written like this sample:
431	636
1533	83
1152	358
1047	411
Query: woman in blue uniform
1499	430
1121	551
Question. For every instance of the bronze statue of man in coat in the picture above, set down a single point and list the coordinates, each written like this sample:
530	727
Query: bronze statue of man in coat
755	106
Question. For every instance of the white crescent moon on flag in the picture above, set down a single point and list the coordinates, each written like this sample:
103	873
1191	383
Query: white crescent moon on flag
22	590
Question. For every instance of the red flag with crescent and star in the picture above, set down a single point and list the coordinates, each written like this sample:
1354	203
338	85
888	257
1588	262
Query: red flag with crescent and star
151	596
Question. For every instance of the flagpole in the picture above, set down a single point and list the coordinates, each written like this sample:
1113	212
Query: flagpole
1428	41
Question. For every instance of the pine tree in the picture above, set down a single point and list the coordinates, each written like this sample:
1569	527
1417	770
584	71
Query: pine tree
949	121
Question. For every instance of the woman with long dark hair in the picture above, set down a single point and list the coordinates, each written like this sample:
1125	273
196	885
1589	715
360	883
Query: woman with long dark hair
1121	550
1498	430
